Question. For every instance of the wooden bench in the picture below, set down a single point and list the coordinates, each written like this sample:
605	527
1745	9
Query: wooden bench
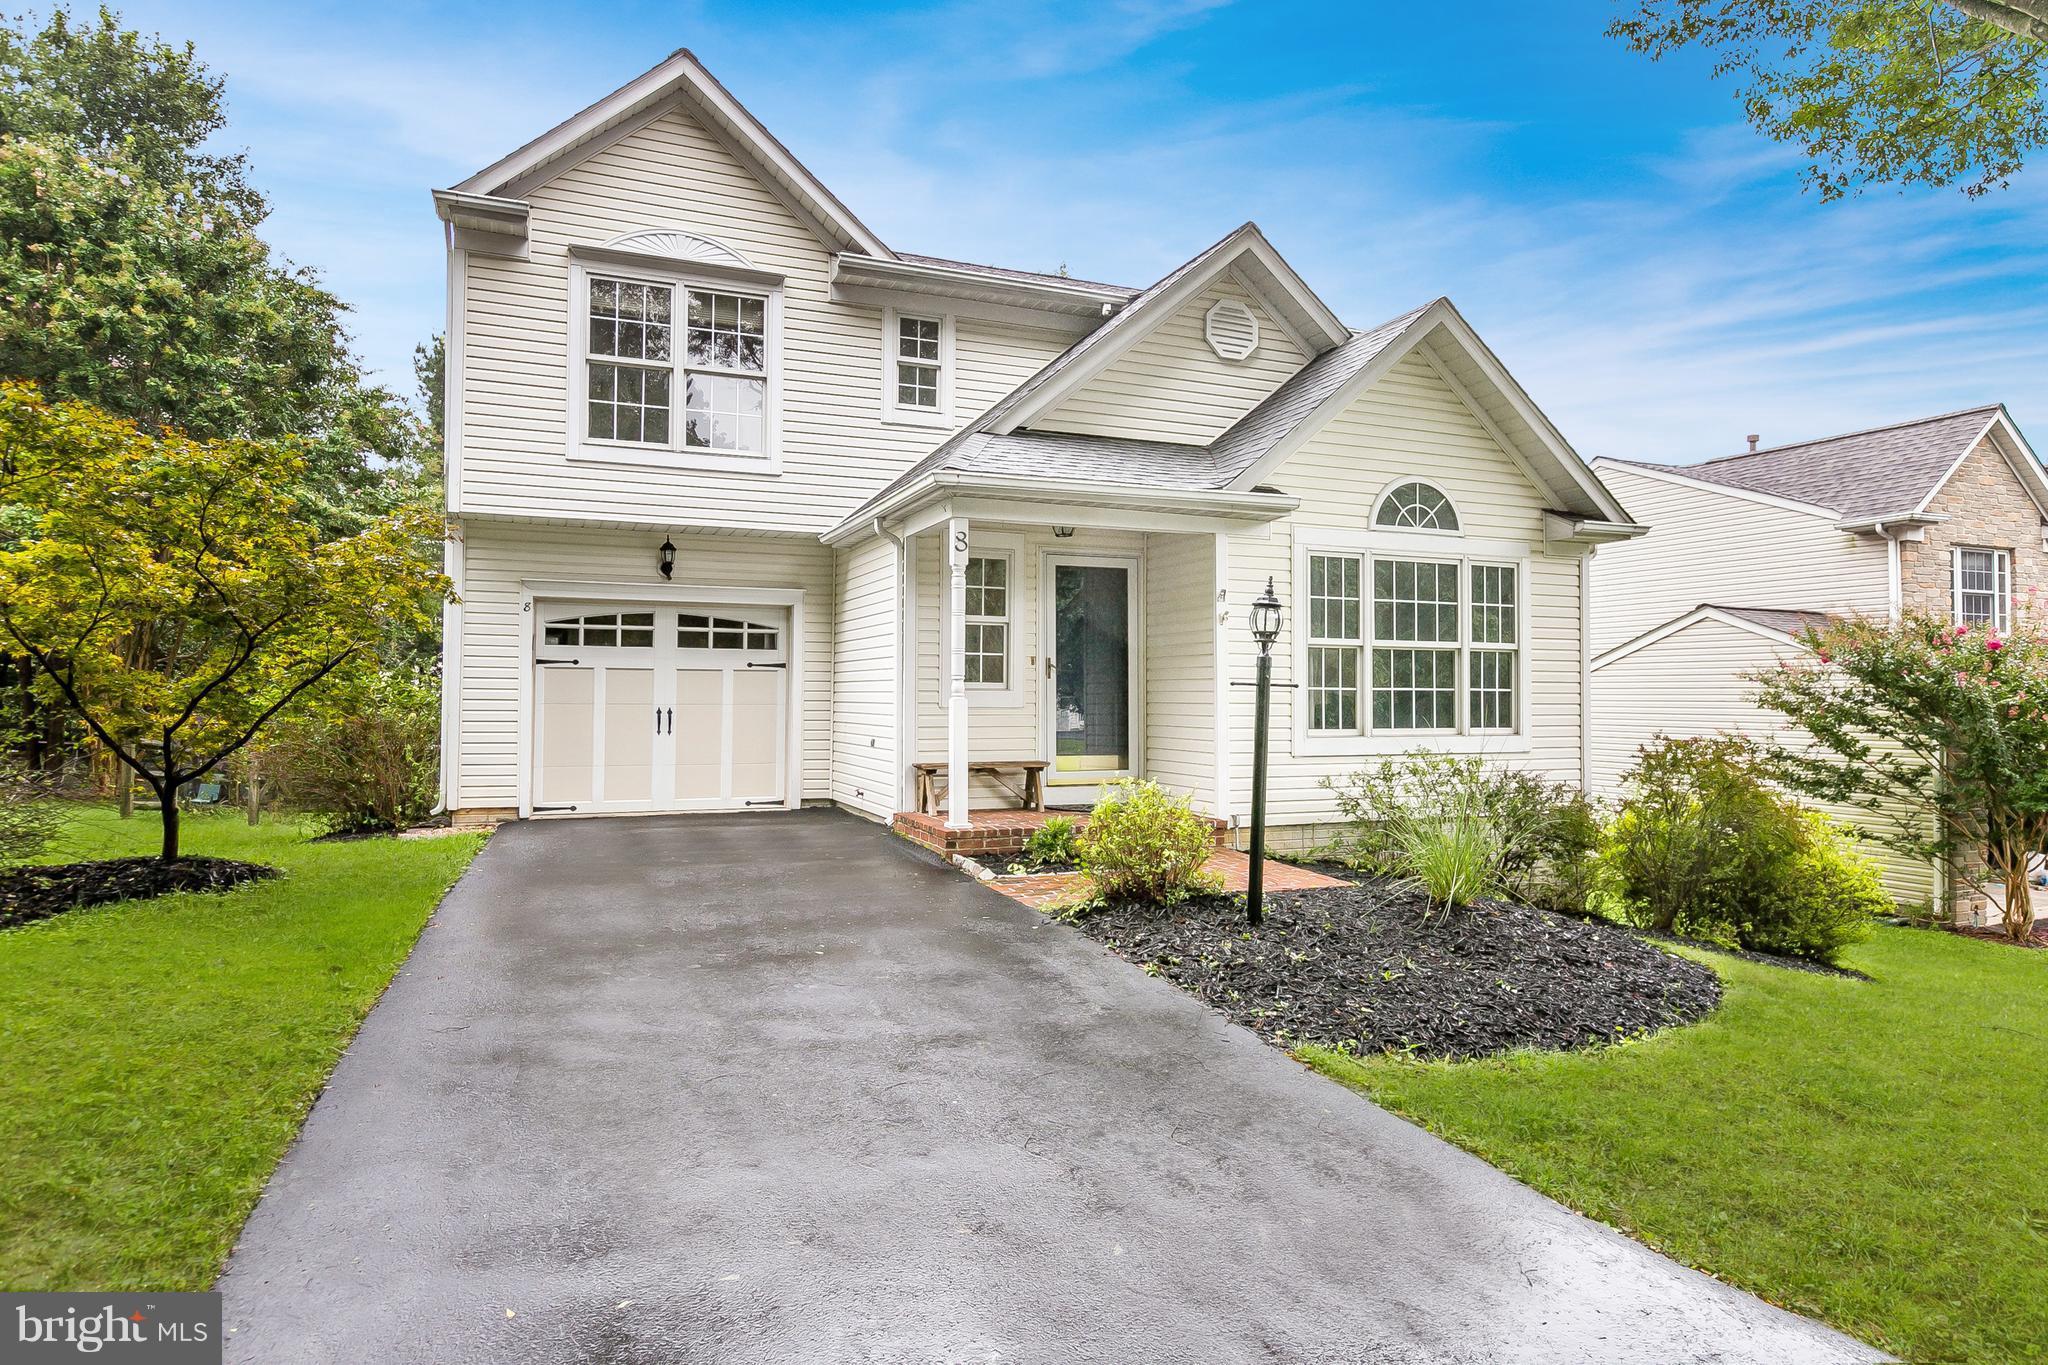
1032	769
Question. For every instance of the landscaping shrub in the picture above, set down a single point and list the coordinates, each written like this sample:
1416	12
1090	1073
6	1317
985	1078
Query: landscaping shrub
1142	843
1705	848
1052	842
368	761
28	817
1464	830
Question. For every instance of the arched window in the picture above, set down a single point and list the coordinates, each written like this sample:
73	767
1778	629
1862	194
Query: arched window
1416	506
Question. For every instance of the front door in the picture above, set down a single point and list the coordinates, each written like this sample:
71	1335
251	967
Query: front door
1091	702
659	708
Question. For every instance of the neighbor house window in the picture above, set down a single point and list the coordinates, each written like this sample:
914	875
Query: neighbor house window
988	621
1407	644
1983	588
635	374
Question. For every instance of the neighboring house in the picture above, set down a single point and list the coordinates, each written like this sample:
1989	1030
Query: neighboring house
1945	515
757	510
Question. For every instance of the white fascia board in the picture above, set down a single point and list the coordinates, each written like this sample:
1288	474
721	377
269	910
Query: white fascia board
2012	447
682	74
1687	618
1679	477
1027	500
1574	464
1969	447
850	271
1564	527
1309	319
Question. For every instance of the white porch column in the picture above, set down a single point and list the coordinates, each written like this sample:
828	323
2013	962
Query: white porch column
956	673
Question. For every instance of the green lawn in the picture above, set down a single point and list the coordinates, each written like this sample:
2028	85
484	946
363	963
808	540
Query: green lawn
156	1057
1871	1153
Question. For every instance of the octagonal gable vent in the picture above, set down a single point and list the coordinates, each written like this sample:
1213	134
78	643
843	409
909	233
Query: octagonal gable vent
1232	330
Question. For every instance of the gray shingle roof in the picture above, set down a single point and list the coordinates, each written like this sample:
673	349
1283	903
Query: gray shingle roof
1148	464
1255	433
1784	620
1880	472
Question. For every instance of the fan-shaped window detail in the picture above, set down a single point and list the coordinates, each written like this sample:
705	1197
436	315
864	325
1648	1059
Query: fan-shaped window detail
1416	506
719	632
679	246
615	630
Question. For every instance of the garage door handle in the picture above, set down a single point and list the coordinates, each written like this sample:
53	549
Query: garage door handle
752	664
545	662
671	713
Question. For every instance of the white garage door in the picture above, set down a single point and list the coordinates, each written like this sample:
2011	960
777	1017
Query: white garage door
659	708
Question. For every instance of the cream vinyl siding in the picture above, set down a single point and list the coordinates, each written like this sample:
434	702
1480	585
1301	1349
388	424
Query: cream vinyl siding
499	556
1409	425
835	449
1709	547
1180	665
864	678
1000	724
1172	387
1690	684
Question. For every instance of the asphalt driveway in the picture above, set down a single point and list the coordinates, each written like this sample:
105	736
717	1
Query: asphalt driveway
778	1087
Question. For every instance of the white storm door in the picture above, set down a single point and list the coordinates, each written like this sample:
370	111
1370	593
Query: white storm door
1090	705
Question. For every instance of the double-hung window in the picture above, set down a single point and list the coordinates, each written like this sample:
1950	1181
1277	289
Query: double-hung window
916	353
1983	588
988	621
636	374
1412	643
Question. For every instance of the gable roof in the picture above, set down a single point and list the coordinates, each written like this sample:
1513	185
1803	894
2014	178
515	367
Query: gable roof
1779	625
1234	461
1003	272
1888	471
680	79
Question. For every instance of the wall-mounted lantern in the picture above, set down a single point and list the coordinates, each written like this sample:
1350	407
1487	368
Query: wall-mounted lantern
667	561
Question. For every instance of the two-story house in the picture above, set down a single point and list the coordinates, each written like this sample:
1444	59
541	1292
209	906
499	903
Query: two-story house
1944	516
756	509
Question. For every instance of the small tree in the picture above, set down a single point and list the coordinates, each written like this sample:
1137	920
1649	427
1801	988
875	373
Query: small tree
1948	722
171	593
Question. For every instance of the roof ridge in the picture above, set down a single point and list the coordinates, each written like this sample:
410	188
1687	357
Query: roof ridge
1840	436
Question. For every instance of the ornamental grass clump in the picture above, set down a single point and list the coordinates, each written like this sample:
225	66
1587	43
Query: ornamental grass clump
1143	843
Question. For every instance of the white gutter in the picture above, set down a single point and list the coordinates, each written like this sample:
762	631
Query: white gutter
1215	502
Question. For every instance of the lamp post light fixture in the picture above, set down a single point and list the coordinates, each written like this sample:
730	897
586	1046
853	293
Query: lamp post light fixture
1265	616
667	562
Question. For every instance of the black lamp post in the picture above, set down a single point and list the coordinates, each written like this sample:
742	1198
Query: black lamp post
668	558
1265	629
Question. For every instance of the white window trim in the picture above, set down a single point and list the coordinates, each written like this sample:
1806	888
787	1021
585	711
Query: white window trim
990	545
1387	490
675	455
1410	543
2001	563
896	414
1008	620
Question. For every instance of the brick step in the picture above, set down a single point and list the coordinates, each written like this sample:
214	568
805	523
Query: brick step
997	833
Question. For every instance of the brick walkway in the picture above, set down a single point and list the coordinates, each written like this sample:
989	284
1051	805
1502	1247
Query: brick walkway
1060	888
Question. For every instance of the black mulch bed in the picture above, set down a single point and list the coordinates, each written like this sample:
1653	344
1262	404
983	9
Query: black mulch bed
1373	967
38	892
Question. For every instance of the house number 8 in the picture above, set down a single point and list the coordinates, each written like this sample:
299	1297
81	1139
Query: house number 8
960	542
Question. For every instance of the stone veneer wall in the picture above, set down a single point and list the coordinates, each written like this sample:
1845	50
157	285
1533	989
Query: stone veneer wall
1988	508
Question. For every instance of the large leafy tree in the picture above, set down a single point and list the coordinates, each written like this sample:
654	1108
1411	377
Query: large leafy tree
132	276
1931	92
1946	725
173	596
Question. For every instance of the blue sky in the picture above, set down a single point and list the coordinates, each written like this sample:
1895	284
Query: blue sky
1646	266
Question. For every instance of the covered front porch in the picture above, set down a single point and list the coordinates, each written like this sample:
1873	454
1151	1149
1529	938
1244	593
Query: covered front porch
1066	638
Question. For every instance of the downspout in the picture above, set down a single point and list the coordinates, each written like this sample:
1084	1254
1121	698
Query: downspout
1586	669
906	634
1895	592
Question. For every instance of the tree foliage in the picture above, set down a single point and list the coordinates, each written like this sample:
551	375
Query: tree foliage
1945	722
171	592
1933	92
132	276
